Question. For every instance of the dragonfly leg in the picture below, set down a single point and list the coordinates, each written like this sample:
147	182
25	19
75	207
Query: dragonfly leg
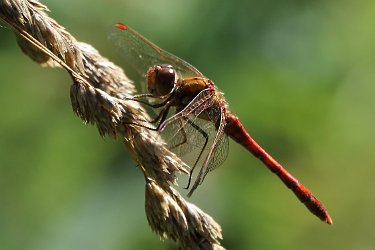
161	116
157	105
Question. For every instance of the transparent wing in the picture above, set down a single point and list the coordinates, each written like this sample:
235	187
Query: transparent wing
199	127
186	130
186	135
142	53
220	152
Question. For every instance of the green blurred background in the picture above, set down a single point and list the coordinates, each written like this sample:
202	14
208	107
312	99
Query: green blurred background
299	74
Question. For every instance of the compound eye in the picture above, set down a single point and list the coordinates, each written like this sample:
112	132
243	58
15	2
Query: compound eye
166	76
161	79
165	79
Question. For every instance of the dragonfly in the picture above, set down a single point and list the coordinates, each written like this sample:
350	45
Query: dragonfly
193	113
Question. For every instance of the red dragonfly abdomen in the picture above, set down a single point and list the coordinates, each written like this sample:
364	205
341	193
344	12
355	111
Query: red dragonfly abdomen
237	132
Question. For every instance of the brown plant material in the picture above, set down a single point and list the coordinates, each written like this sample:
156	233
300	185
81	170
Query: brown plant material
97	97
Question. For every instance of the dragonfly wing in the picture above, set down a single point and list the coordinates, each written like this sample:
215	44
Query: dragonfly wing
184	135
200	125
218	150
143	54
200	103
185	131
220	154
221	149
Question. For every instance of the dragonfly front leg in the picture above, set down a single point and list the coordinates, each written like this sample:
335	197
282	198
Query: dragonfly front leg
157	105
162	116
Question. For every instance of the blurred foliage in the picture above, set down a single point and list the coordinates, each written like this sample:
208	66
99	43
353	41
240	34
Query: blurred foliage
300	75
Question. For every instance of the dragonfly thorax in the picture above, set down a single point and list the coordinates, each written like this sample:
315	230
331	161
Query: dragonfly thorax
161	79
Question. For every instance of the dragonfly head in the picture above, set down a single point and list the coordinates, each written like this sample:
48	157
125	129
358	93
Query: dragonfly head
161	79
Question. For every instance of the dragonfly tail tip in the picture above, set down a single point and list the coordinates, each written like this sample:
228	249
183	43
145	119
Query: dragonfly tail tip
329	220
